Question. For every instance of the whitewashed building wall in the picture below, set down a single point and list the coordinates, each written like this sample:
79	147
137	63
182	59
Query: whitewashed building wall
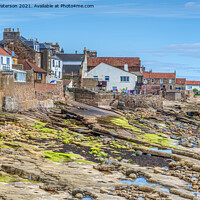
115	77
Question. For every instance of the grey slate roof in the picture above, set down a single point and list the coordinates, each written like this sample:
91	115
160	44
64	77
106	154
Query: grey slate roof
28	42
137	73
70	57
44	46
56	57
71	68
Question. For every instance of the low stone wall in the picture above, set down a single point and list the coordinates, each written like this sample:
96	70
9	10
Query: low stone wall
150	89
125	101
48	91
21	92
93	98
173	96
131	102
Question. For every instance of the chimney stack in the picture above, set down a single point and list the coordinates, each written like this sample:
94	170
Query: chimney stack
76	52
150	71
143	68
126	67
85	51
17	29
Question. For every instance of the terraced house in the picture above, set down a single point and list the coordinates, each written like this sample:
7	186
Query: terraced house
6	66
154	82
190	85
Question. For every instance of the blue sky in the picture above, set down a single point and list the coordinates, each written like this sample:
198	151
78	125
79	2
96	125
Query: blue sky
165	34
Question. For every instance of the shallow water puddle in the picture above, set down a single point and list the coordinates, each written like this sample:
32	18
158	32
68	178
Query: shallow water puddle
162	150
84	198
142	181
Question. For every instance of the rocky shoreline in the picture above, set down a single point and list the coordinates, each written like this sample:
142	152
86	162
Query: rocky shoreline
75	151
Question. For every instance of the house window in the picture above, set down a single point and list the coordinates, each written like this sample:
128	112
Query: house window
170	80
107	78
145	81
38	62
53	63
2	60
170	87
152	80
56	74
161	80
20	76
96	77
8	61
124	78
189	87
88	69
39	77
59	75
58	63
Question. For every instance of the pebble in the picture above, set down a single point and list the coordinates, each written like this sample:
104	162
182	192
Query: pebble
139	153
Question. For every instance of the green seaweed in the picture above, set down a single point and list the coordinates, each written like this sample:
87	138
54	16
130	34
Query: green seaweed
97	152
123	122
60	157
158	139
39	125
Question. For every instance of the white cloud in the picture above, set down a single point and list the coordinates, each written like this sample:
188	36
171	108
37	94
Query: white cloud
185	49
192	5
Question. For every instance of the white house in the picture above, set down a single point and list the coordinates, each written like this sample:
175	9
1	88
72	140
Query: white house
5	60
190	85
56	67
117	79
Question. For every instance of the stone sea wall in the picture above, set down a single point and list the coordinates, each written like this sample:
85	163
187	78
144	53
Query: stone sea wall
22	96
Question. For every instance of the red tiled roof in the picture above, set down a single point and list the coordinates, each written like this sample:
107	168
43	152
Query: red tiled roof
34	67
192	82
180	80
114	61
4	52
158	75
